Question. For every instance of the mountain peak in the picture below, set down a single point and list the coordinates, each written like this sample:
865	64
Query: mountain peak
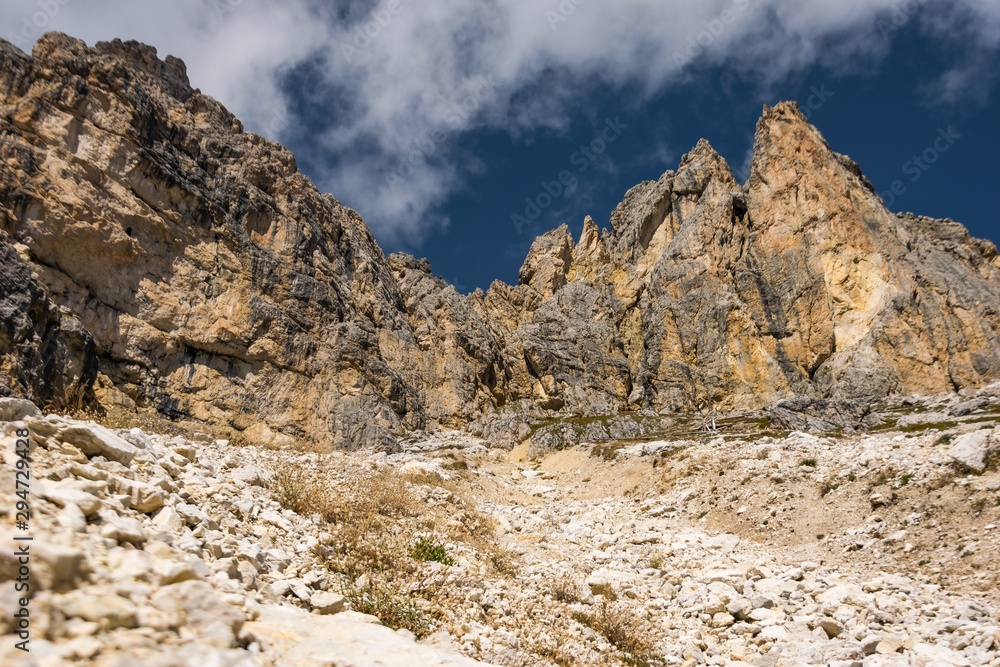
198	274
170	72
699	167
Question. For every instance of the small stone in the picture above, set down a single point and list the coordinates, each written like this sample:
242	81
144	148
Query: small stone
109	610
71	517
869	644
145	498
889	645
122	529
722	620
328	603
831	627
88	503
168	519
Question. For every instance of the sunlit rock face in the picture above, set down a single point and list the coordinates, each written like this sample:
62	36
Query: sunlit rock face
157	254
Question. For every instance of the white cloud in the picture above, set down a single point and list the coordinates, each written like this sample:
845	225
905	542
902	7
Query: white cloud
419	74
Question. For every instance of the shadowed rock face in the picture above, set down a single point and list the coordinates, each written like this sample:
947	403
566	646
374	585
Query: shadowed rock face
46	356
149	237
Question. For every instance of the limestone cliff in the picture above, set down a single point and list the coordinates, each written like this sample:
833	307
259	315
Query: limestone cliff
152	245
216	281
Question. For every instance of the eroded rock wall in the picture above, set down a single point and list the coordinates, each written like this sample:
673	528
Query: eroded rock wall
150	241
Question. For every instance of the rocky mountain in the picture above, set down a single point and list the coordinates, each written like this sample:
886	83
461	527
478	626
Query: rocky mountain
155	254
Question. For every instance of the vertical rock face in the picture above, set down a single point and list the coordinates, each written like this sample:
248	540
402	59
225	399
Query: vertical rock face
46	356
217	283
875	303
147	239
800	283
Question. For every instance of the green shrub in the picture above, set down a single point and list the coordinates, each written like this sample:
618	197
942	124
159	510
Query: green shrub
426	549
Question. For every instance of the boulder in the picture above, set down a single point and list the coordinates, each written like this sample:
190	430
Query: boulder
972	450
96	440
16	409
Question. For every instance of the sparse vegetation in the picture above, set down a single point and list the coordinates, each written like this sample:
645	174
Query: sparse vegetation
606	452
365	517
390	606
401	590
883	477
629	638
923	428
564	589
426	549
117	417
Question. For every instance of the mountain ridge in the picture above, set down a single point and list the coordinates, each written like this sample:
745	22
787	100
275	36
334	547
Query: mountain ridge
196	271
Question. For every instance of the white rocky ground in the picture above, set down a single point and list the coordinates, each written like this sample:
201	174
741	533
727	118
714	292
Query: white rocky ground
162	550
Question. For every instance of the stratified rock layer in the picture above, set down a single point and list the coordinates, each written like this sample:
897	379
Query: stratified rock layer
218	283
193	267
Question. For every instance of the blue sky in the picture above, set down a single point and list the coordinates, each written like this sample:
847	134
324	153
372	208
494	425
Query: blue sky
437	119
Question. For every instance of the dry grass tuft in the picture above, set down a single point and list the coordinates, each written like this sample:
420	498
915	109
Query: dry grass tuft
565	589
383	537
632	639
117	417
